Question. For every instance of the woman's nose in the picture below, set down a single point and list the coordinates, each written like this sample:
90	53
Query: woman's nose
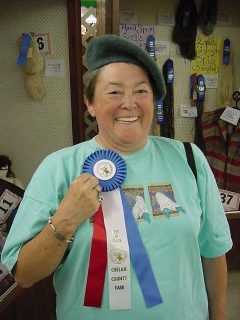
129	102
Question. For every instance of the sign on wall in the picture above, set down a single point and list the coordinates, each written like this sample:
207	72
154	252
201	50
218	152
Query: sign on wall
166	19
208	55
136	33
162	47
128	16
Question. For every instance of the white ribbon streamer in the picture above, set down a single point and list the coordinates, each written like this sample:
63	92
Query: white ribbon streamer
118	251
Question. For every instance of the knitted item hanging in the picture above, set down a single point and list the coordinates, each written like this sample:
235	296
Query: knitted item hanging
167	129
208	16
185	30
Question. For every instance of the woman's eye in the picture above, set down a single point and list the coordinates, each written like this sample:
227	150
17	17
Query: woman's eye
142	91
113	92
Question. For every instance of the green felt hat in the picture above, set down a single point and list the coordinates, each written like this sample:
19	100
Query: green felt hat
106	49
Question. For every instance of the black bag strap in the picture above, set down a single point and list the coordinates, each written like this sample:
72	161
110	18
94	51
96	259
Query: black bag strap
190	158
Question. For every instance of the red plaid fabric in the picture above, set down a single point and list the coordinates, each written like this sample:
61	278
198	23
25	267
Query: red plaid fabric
222	149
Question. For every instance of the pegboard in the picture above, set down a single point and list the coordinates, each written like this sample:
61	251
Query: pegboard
30	130
146	13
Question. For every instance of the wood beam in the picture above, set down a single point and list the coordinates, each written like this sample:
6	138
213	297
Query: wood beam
76	70
107	17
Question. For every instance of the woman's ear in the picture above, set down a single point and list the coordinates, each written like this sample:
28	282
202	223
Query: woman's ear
90	108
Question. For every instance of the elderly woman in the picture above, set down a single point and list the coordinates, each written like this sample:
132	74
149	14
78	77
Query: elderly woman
179	224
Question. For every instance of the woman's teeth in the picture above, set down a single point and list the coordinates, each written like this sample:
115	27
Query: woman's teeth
130	119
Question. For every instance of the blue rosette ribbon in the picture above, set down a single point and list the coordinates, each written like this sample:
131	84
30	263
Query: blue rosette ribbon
110	169
108	166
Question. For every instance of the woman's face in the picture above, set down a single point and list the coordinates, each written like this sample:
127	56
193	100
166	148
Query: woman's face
123	107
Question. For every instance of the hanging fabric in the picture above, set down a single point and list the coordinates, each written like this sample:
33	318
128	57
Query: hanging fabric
208	16
185	30
221	141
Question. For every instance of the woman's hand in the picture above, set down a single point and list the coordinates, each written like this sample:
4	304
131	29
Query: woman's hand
79	203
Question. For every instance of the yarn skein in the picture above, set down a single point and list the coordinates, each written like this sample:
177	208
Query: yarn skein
185	29
208	16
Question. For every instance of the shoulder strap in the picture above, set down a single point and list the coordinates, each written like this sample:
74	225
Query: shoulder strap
190	158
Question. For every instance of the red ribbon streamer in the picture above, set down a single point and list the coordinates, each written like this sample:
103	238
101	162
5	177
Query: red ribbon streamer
97	264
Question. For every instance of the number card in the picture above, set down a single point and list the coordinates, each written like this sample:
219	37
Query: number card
8	202
230	200
44	42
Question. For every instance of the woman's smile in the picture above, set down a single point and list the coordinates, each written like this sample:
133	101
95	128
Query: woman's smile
127	120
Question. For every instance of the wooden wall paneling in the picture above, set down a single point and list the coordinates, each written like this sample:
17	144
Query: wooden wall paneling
76	69
104	21
115	17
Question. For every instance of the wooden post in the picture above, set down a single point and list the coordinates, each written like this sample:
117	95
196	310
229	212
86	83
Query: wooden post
76	70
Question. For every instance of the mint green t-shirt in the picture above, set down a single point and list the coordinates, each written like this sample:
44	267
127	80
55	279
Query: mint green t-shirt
179	221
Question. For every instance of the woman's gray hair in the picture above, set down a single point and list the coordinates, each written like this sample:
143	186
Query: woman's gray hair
90	85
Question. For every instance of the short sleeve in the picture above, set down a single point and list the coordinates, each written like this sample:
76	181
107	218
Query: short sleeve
214	237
